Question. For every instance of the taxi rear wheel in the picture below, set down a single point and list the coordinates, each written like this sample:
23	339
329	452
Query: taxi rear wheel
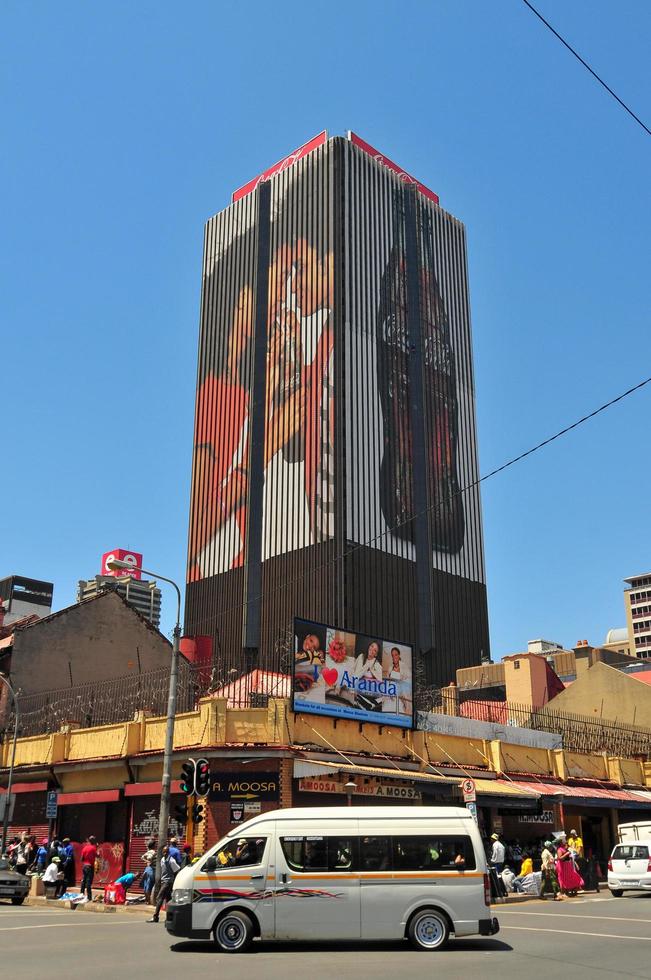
428	930
18	901
234	932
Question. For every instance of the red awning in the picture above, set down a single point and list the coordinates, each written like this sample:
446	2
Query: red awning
150	789
93	796
25	788
561	791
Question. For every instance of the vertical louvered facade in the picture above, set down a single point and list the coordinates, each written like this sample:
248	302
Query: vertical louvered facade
335	432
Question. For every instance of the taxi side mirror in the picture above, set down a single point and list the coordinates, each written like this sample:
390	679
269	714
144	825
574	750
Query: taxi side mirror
210	864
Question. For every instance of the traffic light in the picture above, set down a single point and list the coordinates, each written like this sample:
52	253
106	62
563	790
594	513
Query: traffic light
197	813
181	812
202	777
188	774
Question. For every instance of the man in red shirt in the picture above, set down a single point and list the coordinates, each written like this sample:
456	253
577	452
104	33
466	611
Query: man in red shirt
88	858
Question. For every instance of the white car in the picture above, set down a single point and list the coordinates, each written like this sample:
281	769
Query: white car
629	867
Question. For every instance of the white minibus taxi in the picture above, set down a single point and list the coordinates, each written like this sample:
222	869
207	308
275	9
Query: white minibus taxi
339	873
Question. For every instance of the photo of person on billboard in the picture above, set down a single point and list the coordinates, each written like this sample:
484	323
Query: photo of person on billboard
362	677
299	416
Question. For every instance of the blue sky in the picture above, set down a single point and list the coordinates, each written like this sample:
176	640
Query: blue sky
126	125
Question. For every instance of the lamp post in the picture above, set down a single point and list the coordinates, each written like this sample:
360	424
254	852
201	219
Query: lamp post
116	564
350	788
5	820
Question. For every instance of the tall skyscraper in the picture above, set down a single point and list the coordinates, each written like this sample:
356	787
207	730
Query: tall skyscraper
335	456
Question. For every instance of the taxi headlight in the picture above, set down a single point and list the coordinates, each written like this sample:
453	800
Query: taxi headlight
181	896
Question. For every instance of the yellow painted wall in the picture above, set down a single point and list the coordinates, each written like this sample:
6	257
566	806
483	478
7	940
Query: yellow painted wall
581	766
214	724
95	743
604	692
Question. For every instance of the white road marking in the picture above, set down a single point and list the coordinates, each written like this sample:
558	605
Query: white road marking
63	925
608	918
573	932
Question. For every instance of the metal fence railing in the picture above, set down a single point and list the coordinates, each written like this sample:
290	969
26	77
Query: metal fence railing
107	702
118	699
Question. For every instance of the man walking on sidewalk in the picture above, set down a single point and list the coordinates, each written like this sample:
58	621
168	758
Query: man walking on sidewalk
88	858
169	869
498	854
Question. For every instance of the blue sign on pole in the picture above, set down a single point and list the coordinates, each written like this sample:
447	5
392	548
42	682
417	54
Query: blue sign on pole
52	804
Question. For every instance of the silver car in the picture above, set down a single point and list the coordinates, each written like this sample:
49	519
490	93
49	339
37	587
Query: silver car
12	884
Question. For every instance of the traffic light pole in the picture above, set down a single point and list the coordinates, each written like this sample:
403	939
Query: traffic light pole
189	825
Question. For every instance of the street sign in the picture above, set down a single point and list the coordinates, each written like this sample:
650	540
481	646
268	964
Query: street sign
473	809
469	790
52	804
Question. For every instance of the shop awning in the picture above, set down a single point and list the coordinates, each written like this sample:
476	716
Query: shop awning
588	795
25	788
309	767
92	796
150	789
505	795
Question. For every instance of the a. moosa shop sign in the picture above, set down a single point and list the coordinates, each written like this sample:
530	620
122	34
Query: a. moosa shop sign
372	787
253	786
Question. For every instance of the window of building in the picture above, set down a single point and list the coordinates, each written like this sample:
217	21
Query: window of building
516	665
242	852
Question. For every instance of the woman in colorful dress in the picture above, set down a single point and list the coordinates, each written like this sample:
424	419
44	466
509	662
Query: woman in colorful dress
569	878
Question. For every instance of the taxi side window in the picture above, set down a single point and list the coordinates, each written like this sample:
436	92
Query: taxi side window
241	852
316	853
425	853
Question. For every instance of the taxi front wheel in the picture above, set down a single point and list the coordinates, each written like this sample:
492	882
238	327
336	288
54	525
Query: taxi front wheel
234	932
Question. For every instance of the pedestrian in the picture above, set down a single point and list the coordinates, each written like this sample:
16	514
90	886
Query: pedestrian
147	880
88	858
174	850
43	856
54	876
186	856
23	854
169	868
150	853
498	854
548	869
575	843
68	861
569	878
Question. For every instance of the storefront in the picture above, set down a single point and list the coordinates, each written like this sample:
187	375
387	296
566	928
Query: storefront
238	791
29	810
319	783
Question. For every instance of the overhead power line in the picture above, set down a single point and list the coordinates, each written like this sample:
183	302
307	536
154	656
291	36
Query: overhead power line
433	507
586	65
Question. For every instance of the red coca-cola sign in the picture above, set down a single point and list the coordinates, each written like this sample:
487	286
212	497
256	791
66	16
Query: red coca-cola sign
283	164
386	162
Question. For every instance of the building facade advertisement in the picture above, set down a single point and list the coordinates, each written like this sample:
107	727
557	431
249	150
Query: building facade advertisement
348	675
298	505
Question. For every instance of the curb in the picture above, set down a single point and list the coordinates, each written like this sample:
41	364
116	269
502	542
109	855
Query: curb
38	901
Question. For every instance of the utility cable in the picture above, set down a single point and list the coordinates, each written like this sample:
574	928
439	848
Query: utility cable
586	65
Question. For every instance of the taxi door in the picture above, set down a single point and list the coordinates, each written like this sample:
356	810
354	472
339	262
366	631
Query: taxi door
317	894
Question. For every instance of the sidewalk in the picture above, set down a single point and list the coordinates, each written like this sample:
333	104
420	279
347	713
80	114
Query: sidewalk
39	901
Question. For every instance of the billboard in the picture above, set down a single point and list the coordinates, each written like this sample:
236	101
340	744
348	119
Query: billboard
133	558
298	465
350	675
